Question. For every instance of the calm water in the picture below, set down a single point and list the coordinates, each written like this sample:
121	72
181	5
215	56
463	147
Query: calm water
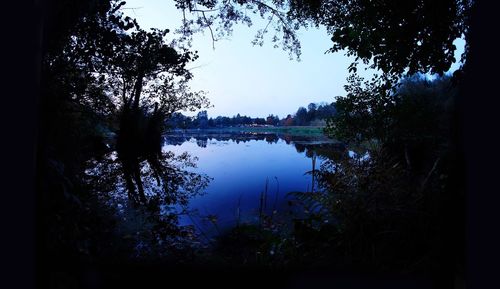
240	166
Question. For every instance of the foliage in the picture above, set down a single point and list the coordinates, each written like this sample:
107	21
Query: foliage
219	17
96	68
201	120
364	113
314	115
390	205
411	118
394	35
369	212
146	72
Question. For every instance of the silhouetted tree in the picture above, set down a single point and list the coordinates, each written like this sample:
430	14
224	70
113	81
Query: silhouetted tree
288	121
363	115
301	116
272	120
394	35
145	69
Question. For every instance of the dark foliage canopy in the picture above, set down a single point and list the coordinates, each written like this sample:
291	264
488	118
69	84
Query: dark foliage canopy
392	35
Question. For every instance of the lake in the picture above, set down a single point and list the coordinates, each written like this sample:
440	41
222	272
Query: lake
249	171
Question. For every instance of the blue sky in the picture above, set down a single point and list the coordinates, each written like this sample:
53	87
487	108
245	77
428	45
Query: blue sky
254	80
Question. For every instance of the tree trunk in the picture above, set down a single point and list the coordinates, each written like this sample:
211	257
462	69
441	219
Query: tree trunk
138	89
138	182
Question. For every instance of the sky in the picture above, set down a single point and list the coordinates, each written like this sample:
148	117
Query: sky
257	80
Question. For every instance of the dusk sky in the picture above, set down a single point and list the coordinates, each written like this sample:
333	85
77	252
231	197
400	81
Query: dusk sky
253	80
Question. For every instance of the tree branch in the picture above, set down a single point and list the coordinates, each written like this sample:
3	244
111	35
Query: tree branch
210	28
424	183
204	10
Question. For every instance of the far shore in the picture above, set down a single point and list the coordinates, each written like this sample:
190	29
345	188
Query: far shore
293	130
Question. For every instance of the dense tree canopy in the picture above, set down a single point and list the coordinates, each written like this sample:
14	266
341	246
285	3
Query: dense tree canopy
364	113
103	76
392	35
412	118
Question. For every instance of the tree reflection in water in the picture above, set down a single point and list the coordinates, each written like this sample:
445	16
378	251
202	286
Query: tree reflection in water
152	226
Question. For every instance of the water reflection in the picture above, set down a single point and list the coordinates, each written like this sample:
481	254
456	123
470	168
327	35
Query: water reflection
252	173
152	228
203	136
207	183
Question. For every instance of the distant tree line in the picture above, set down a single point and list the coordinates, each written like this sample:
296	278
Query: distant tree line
201	120
313	115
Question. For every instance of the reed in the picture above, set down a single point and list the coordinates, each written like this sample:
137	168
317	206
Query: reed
263	199
238	212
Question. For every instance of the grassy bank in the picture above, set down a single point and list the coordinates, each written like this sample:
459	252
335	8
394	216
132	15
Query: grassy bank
292	130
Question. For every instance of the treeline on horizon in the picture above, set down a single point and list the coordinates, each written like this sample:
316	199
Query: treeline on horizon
314	115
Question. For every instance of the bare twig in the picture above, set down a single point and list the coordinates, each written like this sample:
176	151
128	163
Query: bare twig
274	11
210	28
424	183
270	19
195	67
204	10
